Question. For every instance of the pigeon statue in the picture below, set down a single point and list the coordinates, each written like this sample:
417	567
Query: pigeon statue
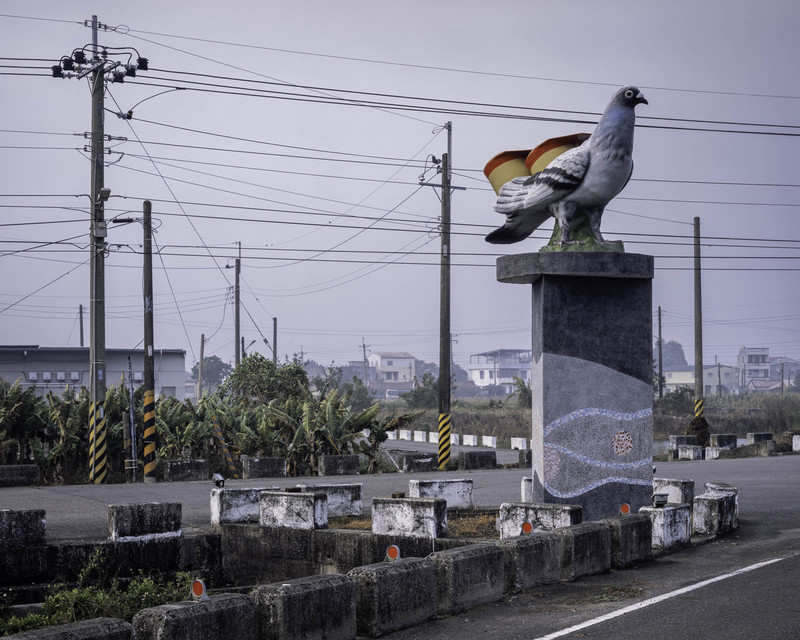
583	180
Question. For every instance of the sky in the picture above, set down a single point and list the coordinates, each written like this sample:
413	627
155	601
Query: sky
297	133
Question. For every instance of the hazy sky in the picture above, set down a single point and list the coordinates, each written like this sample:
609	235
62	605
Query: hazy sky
338	240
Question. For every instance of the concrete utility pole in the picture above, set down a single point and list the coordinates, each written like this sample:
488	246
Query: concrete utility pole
80	314
236	320
200	366
275	341
444	309
698	325
660	359
149	356
366	369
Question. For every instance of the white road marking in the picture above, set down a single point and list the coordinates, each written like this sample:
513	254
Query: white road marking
656	600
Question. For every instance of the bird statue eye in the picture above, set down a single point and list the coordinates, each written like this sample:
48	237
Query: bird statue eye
629	94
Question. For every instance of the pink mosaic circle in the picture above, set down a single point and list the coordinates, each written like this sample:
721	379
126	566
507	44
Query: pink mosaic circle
622	443
552	462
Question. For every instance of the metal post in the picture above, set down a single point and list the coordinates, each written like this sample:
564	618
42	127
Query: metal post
698	325
149	356
444	311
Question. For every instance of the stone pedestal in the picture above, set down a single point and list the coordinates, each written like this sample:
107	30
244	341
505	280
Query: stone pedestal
592	377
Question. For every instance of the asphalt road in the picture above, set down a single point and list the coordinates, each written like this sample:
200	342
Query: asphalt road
762	603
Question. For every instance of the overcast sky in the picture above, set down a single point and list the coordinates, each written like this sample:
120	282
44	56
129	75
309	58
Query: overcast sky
338	240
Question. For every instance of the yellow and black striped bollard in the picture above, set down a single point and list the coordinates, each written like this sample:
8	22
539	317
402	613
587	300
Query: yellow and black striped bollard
149	436
698	408
444	440
98	459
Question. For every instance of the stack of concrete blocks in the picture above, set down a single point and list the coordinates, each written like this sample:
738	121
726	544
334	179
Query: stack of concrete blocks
468	576
394	595
470	440
474	460
223	616
19	475
717	510
343	499
413	517
420	436
345	465
268	467
144	521
239	505
456	492
591	378
489	441
293	510
183	470
518	443
677	441
690	452
542	517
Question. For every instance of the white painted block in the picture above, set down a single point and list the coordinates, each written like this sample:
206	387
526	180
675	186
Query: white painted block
343	499
404	434
413	517
714	513
235	505
392	435
526	489
678	491
518	443
723	487
420	436
470	441
795	443
712	453
454	438
671	525
543	517
433	437
690	452
489	441
457	492
293	510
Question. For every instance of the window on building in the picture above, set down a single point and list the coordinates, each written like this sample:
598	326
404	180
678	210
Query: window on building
480	373
168	392
491	375
390	363
390	376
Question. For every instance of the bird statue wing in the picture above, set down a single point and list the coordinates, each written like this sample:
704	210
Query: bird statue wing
525	201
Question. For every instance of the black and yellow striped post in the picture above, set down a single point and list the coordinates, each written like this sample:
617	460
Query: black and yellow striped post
444	440
149	436
228	460
98	458
698	407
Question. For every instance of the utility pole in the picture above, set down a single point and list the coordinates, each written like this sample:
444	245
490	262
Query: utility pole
366	368
698	325
80	314
719	379
237	300
149	356
130	433
444	309
660	360
783	372
200	367
275	341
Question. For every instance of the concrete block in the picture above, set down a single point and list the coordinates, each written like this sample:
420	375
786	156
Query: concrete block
543	517
525	459
795	443
269	467
224	616
457	492
433	437
19	475
404	434
676	441
471	460
489	441
678	491
671	525
723	487
293	510
144	521
631	540
468	576
518	443
723	440
712	453
394	595
414	517
454	438
95	629
530	561
347	465
321	607
690	452
21	529
587	549
391	435
343	499
470	440
183	470
752	438
417	462
235	505
714	513
420	436
760	449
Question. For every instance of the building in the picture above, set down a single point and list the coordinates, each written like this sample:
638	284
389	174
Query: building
393	370
781	366
753	364
714	377
56	368
500	367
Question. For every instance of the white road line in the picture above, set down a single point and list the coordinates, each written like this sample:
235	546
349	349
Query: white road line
656	600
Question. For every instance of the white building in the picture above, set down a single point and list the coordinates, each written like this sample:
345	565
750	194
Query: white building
715	377
393	370
753	364
55	368
500	367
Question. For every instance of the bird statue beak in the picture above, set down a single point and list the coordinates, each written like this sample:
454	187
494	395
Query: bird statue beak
640	99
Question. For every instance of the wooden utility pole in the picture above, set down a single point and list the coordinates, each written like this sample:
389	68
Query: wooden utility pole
444	309
149	355
698	324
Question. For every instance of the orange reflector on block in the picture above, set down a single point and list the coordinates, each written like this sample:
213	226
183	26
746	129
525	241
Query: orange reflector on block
527	528
392	553
199	591
625	509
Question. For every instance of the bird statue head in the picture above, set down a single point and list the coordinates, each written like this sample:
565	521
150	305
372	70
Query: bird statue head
629	97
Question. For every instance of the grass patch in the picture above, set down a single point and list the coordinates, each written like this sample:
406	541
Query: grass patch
350	522
473	525
615	594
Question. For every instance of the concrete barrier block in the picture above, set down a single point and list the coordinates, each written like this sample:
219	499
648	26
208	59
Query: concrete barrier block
631	540
269	467
144	521
543	517
414	517
472	460
347	465
185	470
224	616
95	629
587	549
321	607
293	510
795	443
391	435
420	436
525	459
518	443
454	438
714	513
235	505
676	441
678	491
530	561
470	440
457	492
417	462
690	452
468	576
489	441
724	487
433	437
404	434
712	453
723	440
671	525
22	529
19	475
394	595
343	499
752	438
760	449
